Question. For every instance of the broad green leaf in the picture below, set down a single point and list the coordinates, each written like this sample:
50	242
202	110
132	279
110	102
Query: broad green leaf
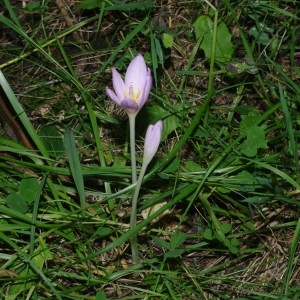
177	239
204	31
203	27
151	114
169	125
28	188
17	203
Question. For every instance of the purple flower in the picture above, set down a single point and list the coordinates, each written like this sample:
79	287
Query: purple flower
132	93
152	140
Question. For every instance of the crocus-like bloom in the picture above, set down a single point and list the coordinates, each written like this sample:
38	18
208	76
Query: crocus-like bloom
132	93
152	140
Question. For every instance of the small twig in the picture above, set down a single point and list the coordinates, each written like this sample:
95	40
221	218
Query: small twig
7	118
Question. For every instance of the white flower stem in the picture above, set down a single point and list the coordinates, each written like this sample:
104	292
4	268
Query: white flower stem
132	146
133	240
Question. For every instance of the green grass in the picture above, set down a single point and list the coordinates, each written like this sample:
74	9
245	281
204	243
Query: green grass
223	188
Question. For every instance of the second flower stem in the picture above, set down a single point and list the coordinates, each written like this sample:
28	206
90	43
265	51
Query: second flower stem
133	240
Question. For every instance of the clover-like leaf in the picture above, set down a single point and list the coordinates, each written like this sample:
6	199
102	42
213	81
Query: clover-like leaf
28	189
255	140
16	202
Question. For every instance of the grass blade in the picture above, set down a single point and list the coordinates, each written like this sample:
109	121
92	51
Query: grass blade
75	167
289	128
291	263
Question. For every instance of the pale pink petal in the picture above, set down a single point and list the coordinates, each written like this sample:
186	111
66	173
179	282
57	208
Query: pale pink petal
112	96
129	105
136	73
152	140
118	83
146	89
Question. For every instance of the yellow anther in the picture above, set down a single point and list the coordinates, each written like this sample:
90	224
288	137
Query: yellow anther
133	96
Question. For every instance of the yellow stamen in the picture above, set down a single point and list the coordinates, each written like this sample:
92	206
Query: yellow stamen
133	96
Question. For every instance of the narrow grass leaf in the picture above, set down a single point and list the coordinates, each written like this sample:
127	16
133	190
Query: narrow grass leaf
12	14
36	191
289	80
75	166
289	128
154	57
291	262
279	173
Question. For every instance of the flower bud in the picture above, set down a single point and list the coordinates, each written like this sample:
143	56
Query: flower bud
152	140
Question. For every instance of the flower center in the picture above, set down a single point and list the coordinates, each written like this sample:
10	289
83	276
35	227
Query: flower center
132	95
